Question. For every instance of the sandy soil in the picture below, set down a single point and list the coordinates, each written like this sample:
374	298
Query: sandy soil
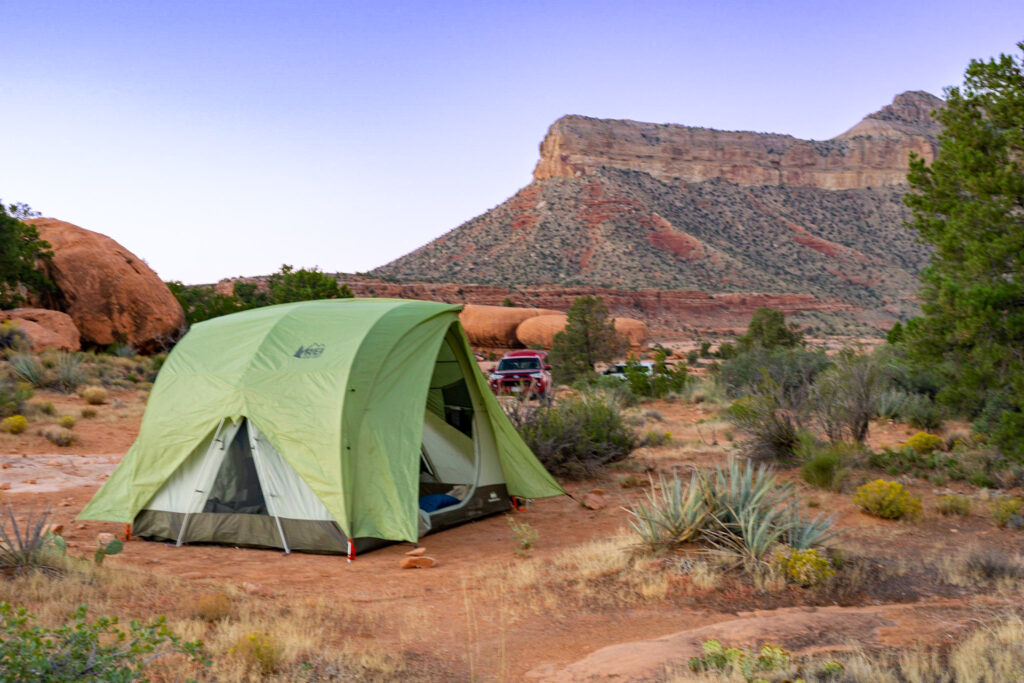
451	612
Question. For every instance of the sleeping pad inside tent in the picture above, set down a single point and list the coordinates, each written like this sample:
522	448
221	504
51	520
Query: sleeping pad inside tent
302	426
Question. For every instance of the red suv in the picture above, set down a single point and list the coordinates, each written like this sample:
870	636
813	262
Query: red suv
522	372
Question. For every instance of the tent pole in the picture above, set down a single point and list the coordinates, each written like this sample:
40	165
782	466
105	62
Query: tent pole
269	496
199	475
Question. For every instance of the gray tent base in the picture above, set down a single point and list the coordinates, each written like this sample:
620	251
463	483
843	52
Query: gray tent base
312	536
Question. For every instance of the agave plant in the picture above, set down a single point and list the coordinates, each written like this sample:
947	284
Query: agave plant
69	371
28	548
733	489
803	531
674	513
27	369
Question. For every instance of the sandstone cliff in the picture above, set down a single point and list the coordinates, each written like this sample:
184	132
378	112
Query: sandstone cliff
873	153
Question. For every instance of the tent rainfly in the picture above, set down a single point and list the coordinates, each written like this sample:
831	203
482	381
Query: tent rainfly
309	425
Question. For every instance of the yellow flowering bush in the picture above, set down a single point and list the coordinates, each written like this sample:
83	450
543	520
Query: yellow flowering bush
923	442
888	500
805	567
260	651
15	424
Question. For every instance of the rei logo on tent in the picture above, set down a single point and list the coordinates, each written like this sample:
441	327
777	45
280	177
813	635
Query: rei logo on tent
311	351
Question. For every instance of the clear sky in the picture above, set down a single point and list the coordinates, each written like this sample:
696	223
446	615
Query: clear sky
217	138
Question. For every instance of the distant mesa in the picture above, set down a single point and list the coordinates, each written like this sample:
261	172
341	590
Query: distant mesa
624	206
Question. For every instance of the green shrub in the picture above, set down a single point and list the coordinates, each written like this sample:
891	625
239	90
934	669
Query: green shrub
792	370
921	412
660	381
953	504
13	395
735	662
923	442
12	336
67	421
823	465
95	396
888	500
805	567
1008	512
524	536
576	436
82	650
773	430
59	436
655	439
47	408
70	373
15	424
88	413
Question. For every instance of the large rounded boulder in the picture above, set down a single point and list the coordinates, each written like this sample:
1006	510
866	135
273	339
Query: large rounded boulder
109	292
495	326
45	329
540	331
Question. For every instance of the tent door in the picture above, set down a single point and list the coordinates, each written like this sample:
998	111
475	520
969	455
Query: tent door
207	473
270	493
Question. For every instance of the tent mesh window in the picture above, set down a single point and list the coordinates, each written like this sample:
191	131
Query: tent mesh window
237	486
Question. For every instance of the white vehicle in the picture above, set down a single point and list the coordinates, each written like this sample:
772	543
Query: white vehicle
619	369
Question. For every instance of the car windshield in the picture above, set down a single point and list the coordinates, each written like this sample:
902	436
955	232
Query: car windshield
519	364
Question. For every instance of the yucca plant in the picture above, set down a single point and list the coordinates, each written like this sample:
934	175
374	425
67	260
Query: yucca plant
733	488
28	369
803	531
750	535
69	371
674	514
29	548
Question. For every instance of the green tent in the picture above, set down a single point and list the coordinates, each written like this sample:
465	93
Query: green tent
304	426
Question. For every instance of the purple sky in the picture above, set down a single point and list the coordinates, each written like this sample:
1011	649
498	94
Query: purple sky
226	138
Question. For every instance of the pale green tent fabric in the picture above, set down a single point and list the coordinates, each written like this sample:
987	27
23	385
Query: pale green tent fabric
339	387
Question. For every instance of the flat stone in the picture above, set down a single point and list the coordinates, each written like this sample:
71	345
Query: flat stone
417	563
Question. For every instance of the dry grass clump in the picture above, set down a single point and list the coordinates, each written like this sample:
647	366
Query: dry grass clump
983	566
95	396
58	436
953	504
213	607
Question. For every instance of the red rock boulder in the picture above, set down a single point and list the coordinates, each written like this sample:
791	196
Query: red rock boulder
540	331
45	329
109	292
495	326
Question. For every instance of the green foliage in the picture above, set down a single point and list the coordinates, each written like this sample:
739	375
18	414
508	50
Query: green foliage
953	504
768	330
28	547
70	373
979	465
110	548
202	302
28	369
524	536
967	205
67	421
750	664
773	429
895	334
12	336
741	511
793	371
1008	512
576	436
823	465
13	395
589	337
82	650
888	500
15	424
923	443
661	381
20	249
846	394
288	285
921	412
805	567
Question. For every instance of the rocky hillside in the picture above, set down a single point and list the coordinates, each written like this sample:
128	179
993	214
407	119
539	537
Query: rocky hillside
623	205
